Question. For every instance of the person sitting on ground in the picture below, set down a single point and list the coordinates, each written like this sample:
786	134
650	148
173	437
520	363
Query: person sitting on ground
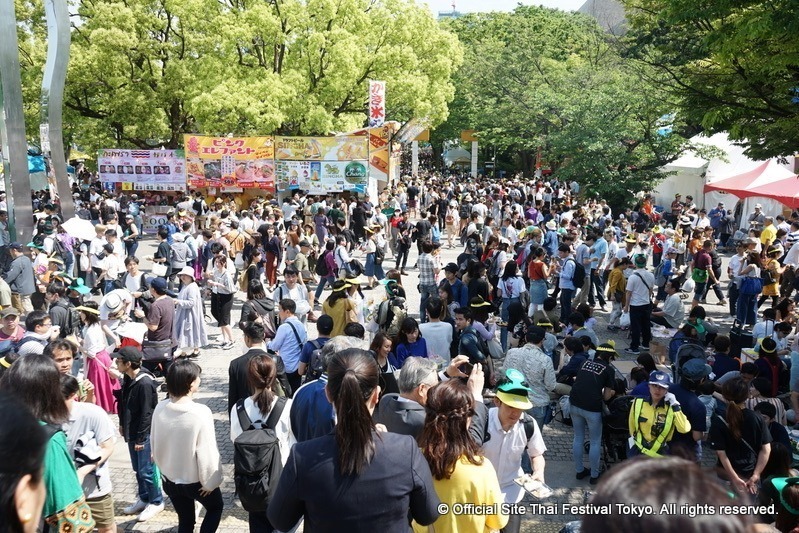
723	362
779	435
672	314
576	357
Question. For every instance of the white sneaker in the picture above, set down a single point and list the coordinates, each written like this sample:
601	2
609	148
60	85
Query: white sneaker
136	508
150	511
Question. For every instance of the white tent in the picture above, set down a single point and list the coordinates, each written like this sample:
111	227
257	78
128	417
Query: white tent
457	156
692	172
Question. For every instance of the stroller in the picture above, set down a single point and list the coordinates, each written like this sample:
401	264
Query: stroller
615	430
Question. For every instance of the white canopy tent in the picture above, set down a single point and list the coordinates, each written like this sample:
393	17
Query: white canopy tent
692	173
457	156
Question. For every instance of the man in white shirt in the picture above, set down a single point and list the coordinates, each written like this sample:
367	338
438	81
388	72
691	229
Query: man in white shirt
437	334
511	434
288	341
673	312
639	305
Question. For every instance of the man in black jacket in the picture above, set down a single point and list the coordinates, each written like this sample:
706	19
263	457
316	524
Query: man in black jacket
254	339
137	401
61	310
404	413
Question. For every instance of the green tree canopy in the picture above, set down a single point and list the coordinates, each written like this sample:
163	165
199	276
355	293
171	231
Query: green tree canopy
143	72
545	79
734	65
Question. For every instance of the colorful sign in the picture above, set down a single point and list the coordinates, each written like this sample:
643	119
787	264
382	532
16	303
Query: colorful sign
377	103
379	153
292	175
143	170
339	148
242	162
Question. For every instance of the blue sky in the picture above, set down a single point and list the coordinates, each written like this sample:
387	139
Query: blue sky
466	6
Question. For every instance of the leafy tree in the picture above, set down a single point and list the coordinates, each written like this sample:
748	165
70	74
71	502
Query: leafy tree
544	79
144	72
732	64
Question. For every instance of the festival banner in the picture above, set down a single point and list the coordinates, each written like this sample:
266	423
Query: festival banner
379	153
293	175
143	170
377	103
338	148
339	176
240	162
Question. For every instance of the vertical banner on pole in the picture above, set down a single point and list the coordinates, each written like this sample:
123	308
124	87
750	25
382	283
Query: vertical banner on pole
474	159
377	103
415	158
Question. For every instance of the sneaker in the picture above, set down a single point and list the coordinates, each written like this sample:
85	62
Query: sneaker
603	308
150	511
136	508
644	348
631	351
584	474
611	327
594	480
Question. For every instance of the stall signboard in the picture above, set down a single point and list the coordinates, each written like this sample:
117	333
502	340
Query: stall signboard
338	176
143	170
293	175
379	152
377	103
238	162
338	148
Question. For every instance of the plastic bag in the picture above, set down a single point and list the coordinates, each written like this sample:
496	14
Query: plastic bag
688	285
624	321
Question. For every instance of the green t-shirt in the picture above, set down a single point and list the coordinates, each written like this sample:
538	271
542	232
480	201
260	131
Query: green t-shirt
60	476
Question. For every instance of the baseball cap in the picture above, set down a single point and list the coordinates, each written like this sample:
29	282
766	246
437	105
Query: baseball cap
305	243
451	267
640	260
15	246
758	206
513	390
659	378
671	250
129	354
8	311
695	369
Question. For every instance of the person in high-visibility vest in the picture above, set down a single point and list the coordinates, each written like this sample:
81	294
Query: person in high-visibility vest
654	419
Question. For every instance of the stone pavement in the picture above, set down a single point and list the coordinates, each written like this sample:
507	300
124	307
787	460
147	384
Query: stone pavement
213	392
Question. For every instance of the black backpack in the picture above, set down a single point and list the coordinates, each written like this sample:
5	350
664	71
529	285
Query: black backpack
315	366
578	279
321	265
73	324
380	254
257	463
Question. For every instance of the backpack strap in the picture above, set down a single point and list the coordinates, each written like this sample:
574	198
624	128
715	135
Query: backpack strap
244	419
274	416
296	335
529	426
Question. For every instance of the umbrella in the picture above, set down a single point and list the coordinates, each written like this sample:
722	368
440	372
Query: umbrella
79	228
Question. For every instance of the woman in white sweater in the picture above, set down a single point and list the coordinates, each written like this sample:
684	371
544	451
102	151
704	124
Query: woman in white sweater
255	412
184	448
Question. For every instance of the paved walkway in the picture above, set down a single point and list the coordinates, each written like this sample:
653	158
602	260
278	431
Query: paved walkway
213	392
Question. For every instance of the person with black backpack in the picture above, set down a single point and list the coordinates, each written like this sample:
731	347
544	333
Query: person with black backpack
311	365
61	311
262	438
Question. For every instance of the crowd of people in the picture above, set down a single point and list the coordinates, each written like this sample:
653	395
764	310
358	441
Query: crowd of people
505	339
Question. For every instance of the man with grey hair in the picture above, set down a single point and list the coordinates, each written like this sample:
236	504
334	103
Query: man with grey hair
404	413
311	413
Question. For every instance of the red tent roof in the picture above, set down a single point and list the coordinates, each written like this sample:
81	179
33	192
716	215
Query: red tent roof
768	180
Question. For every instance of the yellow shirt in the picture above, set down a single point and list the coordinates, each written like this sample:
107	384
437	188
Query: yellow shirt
768	234
469	484
342	313
617	282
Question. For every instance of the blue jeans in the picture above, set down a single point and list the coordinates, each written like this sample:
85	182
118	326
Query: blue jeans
582	419
746	308
142	464
566	296
427	292
322	282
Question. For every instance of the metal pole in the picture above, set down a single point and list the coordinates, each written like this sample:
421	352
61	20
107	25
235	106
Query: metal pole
53	82
15	145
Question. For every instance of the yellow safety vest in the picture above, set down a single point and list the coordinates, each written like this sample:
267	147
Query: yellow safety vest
660	440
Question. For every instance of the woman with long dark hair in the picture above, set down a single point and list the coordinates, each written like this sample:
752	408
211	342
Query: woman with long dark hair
510	288
456	462
741	439
263	409
35	381
22	445
258	308
338	482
